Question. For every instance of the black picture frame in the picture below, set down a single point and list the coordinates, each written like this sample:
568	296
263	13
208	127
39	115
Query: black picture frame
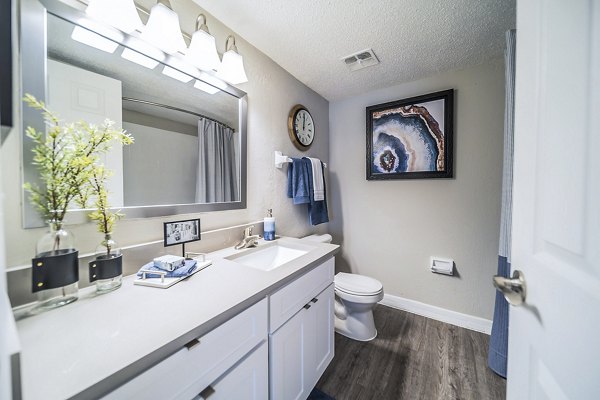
411	111
166	233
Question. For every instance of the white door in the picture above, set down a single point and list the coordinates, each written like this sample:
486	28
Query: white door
554	338
77	94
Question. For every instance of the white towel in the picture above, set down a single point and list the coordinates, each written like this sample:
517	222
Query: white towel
318	179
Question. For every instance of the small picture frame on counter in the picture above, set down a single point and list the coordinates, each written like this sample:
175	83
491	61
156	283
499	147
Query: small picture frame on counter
181	232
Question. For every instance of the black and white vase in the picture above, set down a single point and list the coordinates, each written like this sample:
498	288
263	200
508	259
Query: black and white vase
107	267
55	268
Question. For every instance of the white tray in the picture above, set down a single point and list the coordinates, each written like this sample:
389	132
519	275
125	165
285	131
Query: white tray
165	282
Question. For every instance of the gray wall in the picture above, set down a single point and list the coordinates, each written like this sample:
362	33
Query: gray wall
272	92
389	229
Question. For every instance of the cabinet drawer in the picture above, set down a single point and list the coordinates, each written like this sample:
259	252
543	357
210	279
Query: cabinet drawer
288	300
187	372
249	380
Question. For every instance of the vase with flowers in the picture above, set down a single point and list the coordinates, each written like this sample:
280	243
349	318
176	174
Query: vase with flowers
65	155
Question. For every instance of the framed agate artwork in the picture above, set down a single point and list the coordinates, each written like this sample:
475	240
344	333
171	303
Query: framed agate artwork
411	138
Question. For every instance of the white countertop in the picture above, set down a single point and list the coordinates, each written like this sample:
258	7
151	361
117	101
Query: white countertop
88	347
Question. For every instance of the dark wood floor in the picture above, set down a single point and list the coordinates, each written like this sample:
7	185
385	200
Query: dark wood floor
413	357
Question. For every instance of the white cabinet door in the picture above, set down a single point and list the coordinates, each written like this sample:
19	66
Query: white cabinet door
249	380
302	348
288	358
321	332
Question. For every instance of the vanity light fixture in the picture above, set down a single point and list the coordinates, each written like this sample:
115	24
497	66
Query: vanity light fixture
162	29
203	50
122	14
173	73
92	39
232	66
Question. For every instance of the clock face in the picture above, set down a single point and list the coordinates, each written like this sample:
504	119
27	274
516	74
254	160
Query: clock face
304	128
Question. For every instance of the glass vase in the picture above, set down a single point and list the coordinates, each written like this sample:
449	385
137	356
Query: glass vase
55	270
107	268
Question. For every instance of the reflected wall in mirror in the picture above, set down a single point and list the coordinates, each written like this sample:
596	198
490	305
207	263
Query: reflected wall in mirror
189	150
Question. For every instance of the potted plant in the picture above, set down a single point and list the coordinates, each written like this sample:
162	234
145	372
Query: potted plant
65	157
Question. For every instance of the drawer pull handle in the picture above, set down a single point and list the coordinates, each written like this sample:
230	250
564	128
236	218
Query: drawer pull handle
306	306
315	300
192	344
206	393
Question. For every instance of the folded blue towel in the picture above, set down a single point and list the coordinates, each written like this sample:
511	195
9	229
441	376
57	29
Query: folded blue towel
317	210
298	182
183	271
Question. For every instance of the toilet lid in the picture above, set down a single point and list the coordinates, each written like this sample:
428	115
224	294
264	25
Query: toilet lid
357	284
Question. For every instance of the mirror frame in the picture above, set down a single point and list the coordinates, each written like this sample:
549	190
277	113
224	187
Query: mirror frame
34	41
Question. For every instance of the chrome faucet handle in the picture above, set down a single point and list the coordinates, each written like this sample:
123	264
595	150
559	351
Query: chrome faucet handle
248	231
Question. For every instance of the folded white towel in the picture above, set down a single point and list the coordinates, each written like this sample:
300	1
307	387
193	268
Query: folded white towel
318	179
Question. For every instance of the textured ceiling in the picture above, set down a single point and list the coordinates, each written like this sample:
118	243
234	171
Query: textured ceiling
412	39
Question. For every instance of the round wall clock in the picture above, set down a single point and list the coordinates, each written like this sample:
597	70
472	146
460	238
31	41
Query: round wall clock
301	127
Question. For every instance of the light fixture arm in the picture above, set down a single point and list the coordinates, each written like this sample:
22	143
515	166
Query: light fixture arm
201	24
232	46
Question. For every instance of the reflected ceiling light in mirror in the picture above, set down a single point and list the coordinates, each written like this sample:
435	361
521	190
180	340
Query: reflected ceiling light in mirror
203	50
205	87
173	73
122	14
92	39
213	80
139	58
232	66
162	29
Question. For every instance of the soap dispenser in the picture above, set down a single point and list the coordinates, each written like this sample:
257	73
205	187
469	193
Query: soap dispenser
269	225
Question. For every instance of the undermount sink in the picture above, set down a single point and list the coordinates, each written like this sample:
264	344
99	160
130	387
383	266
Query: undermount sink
269	256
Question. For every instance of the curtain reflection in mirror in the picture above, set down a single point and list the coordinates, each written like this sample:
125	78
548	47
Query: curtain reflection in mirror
217	179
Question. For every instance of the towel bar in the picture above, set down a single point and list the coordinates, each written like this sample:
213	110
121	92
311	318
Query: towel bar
280	159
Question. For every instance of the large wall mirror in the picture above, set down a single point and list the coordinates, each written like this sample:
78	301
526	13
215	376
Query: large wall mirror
189	153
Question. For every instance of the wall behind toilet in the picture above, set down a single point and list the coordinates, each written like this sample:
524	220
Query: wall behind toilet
389	229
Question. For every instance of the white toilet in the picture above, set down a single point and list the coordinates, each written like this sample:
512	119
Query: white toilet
356	295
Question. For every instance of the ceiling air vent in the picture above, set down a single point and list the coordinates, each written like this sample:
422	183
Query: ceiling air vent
361	59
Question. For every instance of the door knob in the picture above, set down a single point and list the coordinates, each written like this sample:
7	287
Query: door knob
514	289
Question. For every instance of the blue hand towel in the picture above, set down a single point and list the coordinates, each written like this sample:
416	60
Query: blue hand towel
298	182
317	210
183	271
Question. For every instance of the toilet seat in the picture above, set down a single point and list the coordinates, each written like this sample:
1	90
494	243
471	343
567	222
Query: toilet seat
357	285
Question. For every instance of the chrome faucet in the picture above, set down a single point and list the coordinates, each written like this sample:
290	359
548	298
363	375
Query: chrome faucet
249	239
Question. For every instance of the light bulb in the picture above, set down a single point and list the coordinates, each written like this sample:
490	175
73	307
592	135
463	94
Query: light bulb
122	14
203	51
232	68
163	31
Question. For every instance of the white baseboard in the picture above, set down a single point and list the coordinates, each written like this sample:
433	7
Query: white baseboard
439	314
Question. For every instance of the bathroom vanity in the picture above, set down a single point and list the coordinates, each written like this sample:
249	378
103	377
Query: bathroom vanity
256	324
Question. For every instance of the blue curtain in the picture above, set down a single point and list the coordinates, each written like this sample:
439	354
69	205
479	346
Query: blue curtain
498	351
